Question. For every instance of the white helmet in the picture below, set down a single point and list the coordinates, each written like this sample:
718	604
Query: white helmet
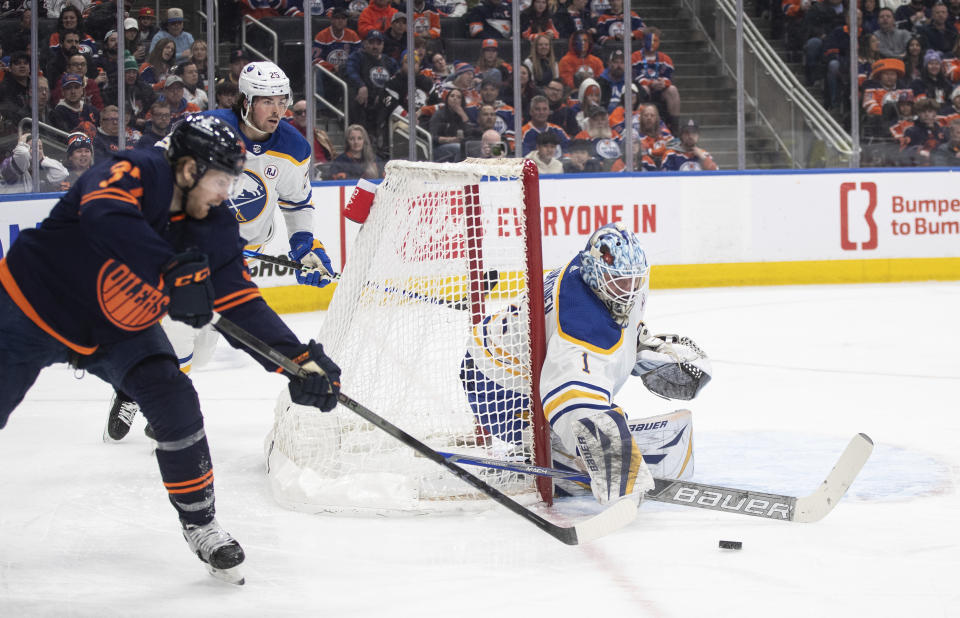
262	79
615	267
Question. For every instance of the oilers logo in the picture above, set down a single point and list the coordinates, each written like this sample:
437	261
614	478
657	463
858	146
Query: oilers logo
616	29
379	76
421	25
690	166
356	7
251	198
500	125
338	57
607	148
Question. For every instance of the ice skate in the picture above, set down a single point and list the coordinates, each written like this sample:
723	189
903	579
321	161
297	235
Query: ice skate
122	413
217	549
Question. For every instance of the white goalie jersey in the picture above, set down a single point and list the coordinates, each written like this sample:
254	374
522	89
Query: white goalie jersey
276	175
589	358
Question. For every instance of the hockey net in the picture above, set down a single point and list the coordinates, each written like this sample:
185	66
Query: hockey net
448	253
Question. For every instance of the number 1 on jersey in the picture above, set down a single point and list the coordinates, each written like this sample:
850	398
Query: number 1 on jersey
586	369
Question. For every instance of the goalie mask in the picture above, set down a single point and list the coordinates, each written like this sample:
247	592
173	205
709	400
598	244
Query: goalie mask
615	267
261	79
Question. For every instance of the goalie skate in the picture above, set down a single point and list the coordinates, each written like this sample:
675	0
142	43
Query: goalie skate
219	551
122	413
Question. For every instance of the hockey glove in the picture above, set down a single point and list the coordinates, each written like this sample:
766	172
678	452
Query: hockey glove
187	278
320	387
310	252
671	366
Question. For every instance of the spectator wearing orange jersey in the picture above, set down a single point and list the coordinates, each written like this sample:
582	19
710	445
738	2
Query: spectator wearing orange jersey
426	19
881	91
578	59
375	17
905	118
654	134
538	19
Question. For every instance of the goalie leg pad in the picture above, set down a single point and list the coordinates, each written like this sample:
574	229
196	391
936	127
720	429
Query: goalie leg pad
611	457
666	442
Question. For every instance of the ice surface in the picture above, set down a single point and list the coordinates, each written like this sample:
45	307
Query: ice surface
86	530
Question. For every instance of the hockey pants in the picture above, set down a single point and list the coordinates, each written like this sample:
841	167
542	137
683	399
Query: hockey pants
142	365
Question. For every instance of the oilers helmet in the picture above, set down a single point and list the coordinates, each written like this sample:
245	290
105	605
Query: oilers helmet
212	143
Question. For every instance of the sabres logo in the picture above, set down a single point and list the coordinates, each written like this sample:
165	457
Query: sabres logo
251	198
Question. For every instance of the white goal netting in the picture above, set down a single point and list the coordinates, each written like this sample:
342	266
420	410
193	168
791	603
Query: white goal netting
433	305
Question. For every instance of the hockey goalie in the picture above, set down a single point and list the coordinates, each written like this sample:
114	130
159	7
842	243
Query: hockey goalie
596	339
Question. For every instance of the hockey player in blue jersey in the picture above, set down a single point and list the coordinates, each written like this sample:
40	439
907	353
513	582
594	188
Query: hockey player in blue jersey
138	236
275	176
596	339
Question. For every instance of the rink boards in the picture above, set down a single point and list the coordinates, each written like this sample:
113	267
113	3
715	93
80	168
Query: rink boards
699	229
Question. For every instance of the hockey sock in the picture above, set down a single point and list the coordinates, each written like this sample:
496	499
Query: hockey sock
169	403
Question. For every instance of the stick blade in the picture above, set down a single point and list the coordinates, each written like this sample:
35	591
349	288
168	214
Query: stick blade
621	513
817	505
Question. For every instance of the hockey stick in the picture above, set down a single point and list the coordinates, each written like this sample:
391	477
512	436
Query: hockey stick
806	509
613	518
281	261
490	280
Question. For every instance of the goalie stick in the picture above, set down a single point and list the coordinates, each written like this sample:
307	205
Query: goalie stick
490	280
806	509
613	518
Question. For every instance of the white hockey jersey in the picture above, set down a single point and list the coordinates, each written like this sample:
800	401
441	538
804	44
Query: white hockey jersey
589	356
277	174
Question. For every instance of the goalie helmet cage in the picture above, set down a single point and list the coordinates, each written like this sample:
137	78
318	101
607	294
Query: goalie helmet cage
441	296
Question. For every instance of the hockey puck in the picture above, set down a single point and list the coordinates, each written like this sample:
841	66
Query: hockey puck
731	544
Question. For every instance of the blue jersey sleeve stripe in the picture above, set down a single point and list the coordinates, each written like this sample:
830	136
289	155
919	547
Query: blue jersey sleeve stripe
579	406
295	208
571	383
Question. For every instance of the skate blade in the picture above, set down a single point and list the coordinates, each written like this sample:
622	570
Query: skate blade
231	576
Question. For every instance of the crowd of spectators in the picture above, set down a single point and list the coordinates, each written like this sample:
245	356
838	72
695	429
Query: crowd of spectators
572	81
908	70
164	73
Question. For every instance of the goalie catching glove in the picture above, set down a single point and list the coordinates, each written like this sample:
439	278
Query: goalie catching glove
187	277
671	366
310	252
321	384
